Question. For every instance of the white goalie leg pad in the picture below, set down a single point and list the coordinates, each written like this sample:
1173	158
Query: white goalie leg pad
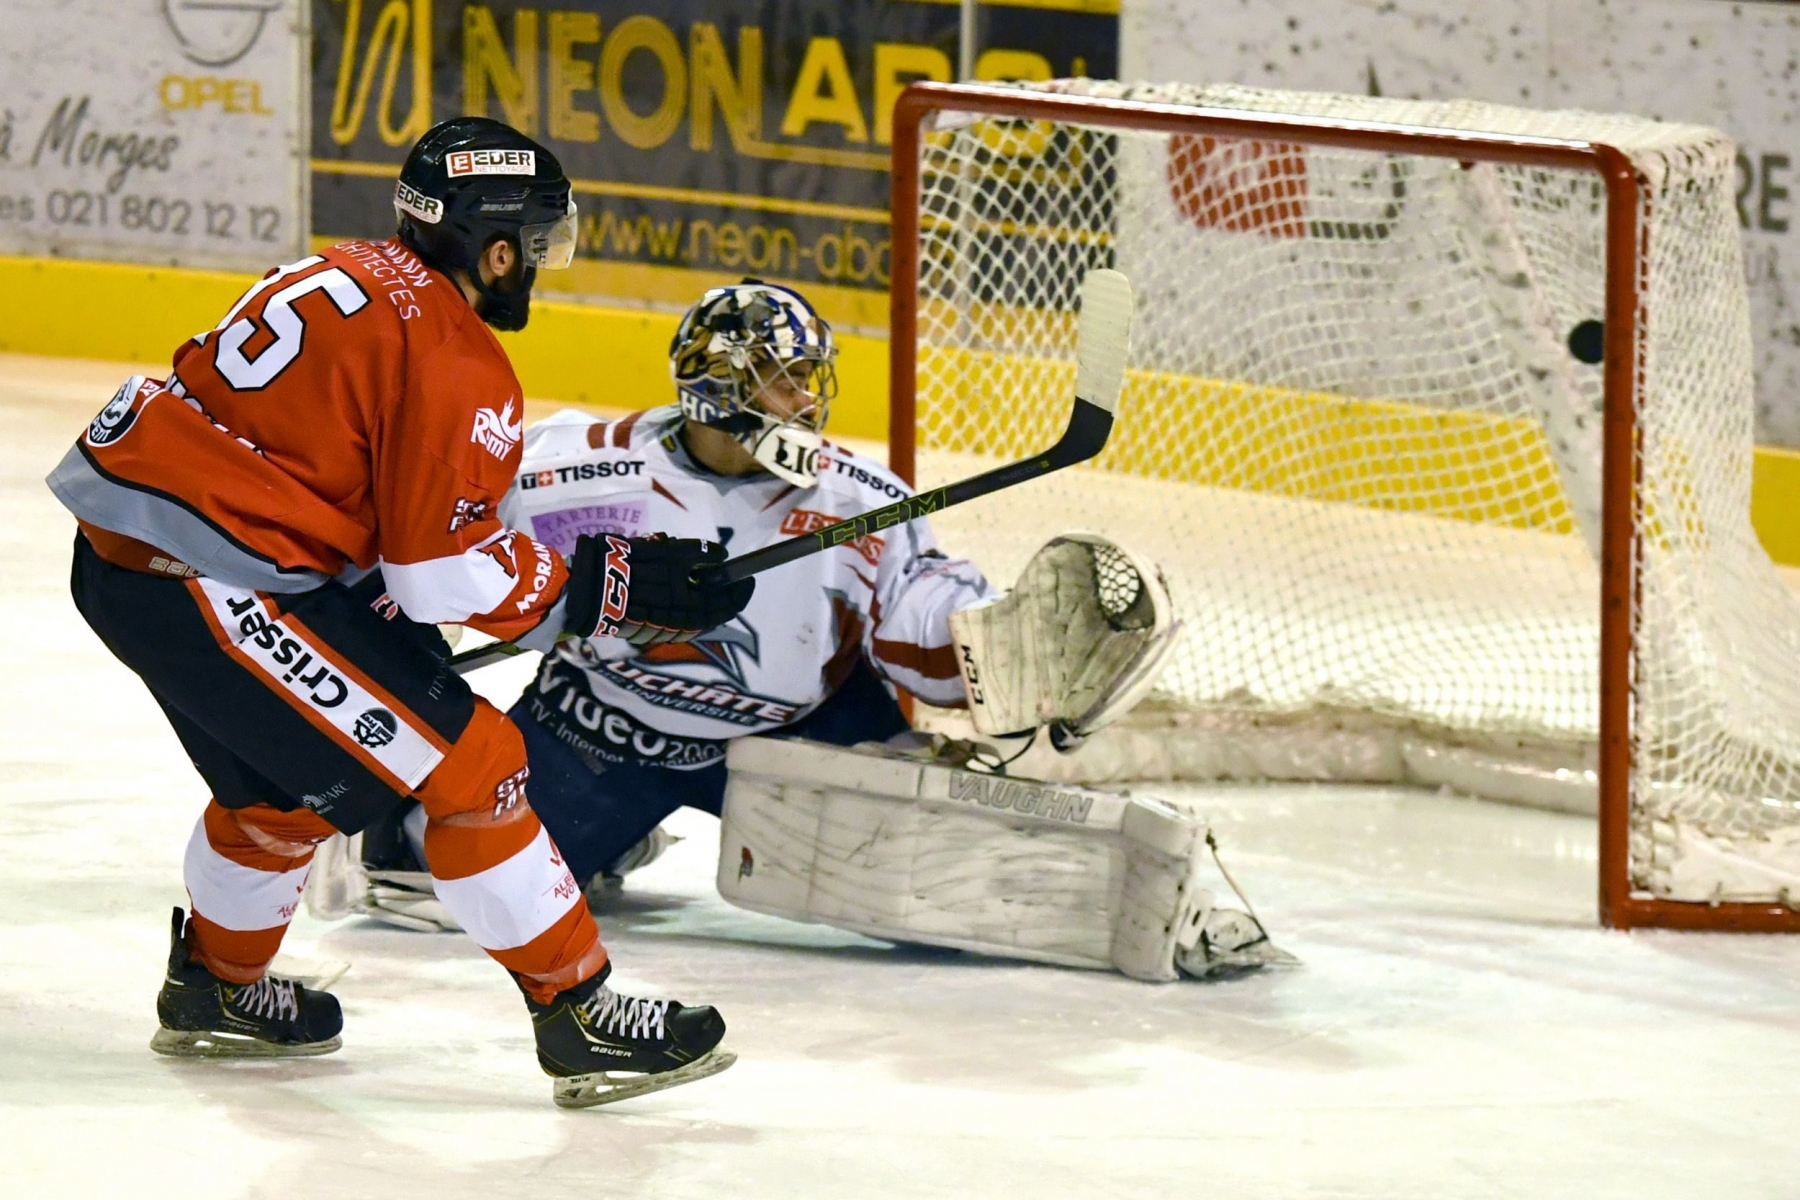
894	845
1079	639
341	886
338	882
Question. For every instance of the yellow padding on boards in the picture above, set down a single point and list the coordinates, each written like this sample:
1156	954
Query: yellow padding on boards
588	354
1378	454
1277	441
570	353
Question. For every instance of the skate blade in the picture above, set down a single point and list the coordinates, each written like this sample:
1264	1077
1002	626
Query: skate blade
606	1087
1234	964
203	1043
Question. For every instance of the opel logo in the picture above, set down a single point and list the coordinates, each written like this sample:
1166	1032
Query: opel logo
216	33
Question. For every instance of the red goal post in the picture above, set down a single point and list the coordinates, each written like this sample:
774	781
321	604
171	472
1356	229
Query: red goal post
1620	541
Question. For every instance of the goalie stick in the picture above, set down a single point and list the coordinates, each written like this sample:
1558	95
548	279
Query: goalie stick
1102	337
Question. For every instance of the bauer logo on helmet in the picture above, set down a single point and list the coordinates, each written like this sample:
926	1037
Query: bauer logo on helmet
490	162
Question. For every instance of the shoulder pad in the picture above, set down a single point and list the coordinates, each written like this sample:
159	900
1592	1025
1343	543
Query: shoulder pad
557	436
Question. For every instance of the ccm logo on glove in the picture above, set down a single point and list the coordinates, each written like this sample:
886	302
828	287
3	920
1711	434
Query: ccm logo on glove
642	589
617	587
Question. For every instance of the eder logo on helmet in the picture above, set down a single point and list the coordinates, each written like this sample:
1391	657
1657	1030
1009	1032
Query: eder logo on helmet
417	204
490	162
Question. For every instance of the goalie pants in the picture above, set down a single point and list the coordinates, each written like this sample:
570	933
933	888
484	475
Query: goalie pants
596	812
310	713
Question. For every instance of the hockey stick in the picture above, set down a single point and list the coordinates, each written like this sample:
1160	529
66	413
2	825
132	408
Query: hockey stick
1102	337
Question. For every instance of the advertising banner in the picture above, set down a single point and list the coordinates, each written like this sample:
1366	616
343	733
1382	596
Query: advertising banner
707	139
159	131
1725	63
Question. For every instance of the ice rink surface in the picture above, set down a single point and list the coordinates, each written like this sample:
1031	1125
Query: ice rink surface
1460	1029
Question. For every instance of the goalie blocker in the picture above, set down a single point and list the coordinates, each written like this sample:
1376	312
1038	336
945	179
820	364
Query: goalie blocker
896	844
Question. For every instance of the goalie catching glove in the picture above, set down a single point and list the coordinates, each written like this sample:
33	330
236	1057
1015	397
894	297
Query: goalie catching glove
1074	645
641	589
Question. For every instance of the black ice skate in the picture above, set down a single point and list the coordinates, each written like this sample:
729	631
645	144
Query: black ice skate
600	1046
204	1016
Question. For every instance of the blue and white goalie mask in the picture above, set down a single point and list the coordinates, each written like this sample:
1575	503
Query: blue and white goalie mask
754	360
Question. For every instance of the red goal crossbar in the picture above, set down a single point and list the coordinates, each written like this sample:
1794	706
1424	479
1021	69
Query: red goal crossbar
1619	551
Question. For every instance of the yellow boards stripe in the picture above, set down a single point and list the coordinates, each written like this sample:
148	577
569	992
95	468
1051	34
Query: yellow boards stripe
1372	452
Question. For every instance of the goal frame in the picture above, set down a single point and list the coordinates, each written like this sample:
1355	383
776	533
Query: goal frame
1620	541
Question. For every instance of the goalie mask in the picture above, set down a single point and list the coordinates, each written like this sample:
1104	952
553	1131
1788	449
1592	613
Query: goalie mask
754	360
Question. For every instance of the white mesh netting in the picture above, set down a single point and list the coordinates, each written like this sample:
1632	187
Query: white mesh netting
1361	433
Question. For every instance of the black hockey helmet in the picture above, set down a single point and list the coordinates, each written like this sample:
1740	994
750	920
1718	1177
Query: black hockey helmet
469	180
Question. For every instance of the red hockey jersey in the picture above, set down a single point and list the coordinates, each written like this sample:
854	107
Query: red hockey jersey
351	410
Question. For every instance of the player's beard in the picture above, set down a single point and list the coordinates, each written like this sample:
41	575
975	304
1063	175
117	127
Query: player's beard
506	303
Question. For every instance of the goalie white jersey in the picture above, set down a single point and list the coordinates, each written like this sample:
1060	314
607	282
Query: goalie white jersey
885	598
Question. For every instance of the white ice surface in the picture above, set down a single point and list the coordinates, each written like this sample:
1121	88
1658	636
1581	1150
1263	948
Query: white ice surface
1460	1029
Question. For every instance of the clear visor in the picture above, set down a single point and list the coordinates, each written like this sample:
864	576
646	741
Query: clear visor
550	245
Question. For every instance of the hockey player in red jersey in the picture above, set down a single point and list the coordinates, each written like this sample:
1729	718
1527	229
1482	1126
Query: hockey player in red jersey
266	537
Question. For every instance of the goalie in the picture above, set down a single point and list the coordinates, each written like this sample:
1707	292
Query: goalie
621	733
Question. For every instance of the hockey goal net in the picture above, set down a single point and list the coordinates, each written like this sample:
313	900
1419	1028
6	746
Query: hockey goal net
1438	417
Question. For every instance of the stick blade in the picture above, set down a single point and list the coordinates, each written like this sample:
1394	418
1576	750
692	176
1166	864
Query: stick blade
1103	337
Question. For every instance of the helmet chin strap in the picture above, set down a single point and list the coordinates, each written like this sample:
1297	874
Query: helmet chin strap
505	311
787	451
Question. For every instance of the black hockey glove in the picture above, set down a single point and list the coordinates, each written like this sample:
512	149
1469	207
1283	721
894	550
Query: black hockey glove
638	589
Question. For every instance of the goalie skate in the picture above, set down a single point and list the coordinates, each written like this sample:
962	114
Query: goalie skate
204	1016
1228	943
610	882
647	1045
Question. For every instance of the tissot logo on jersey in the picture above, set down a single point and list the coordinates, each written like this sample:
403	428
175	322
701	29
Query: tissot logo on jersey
578	472
867	478
497	432
490	162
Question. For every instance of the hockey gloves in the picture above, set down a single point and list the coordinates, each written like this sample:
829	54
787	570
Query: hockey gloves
639	589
